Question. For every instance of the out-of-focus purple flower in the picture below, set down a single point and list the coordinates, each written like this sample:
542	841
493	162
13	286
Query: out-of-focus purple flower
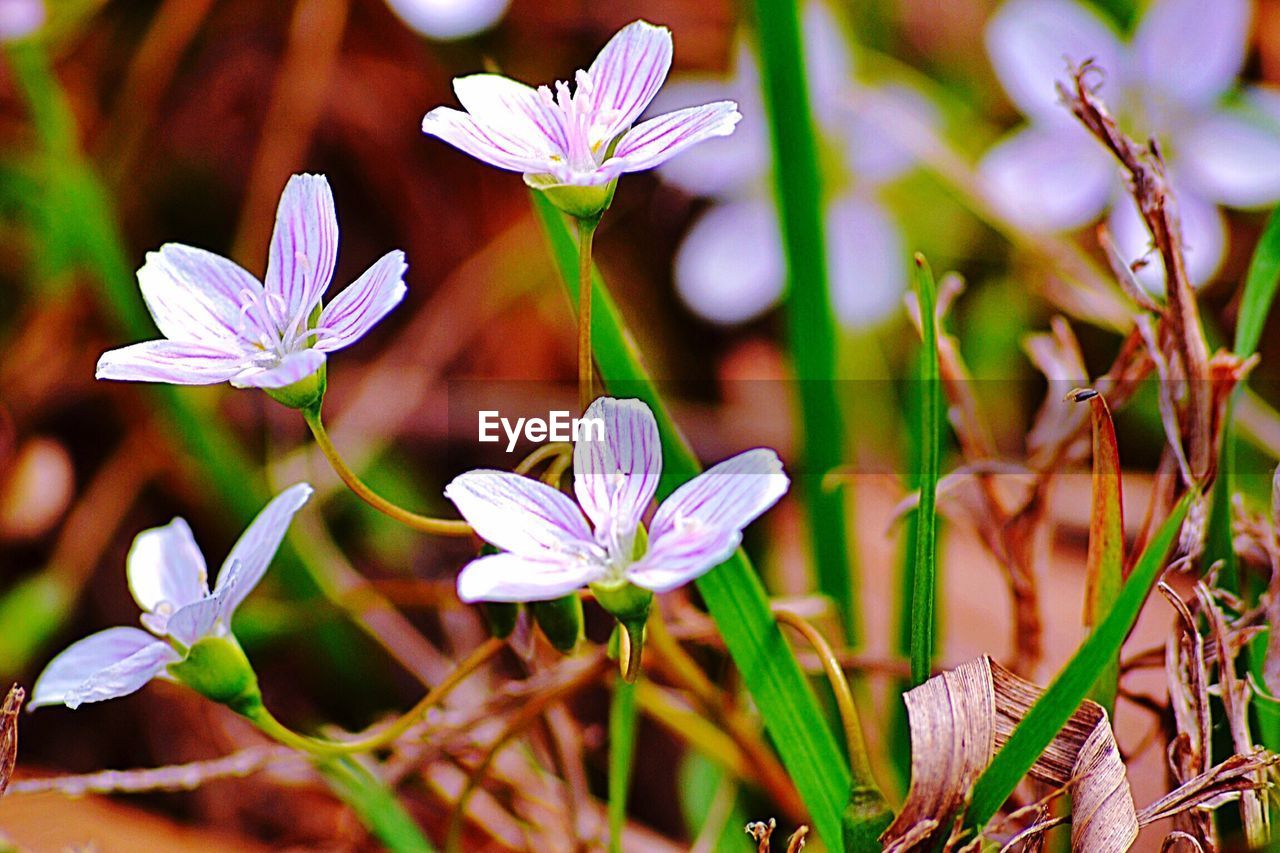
169	580
449	19
221	324
551	547
580	137
20	18
730	267
1168	81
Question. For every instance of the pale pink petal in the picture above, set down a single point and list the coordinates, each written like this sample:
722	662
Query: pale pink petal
294	367
469	136
169	361
685	555
368	299
256	547
615	478
869	128
1232	159
522	515
510	577
1191	51
110	663
449	19
513	113
165	566
1203	230
729	268
1048	179
1031	42
20	18
196	296
828	61
304	249
625	76
726	166
194	621
867	262
727	496
657	140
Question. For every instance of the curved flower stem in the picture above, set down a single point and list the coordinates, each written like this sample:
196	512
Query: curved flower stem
323	748
424	523
857	747
552	450
586	365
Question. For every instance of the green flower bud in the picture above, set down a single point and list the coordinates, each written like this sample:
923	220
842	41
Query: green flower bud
560	620
865	817
501	617
580	202
216	667
304	394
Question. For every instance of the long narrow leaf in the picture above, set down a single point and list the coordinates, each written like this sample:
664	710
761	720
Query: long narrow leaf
1104	570
1072	684
798	189
1255	305
375	805
622	751
732	591
925	566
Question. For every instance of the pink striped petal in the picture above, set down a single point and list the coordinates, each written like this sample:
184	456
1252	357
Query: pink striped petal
510	577
723	499
105	665
294	367
522	515
686	554
513	113
195	295
625	77
170	361
657	140
1191	52
304	248
469	136
368	299
615	478
165	566
256	547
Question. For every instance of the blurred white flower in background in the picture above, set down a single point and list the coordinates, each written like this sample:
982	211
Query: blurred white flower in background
730	266
448	19
1169	81
19	18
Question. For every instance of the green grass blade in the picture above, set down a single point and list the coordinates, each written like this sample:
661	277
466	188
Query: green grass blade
732	591
622	751
1255	305
375	805
811	324
1052	710
925	566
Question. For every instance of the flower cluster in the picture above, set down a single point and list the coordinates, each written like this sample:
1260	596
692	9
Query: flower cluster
730	267
1169	81
184	620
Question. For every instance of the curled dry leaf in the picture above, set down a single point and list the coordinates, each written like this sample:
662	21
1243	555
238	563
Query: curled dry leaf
960	718
9	734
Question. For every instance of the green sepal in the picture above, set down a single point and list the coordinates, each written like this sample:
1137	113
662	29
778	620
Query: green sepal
580	202
305	394
560	621
864	819
216	667
500	617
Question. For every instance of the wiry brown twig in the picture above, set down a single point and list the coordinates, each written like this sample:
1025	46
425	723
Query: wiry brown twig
174	777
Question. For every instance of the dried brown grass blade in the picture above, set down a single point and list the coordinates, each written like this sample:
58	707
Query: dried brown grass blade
9	734
960	718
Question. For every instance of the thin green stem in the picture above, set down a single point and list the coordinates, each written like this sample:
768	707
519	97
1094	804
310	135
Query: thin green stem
859	763
924	569
322	748
424	523
586	363
622	747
